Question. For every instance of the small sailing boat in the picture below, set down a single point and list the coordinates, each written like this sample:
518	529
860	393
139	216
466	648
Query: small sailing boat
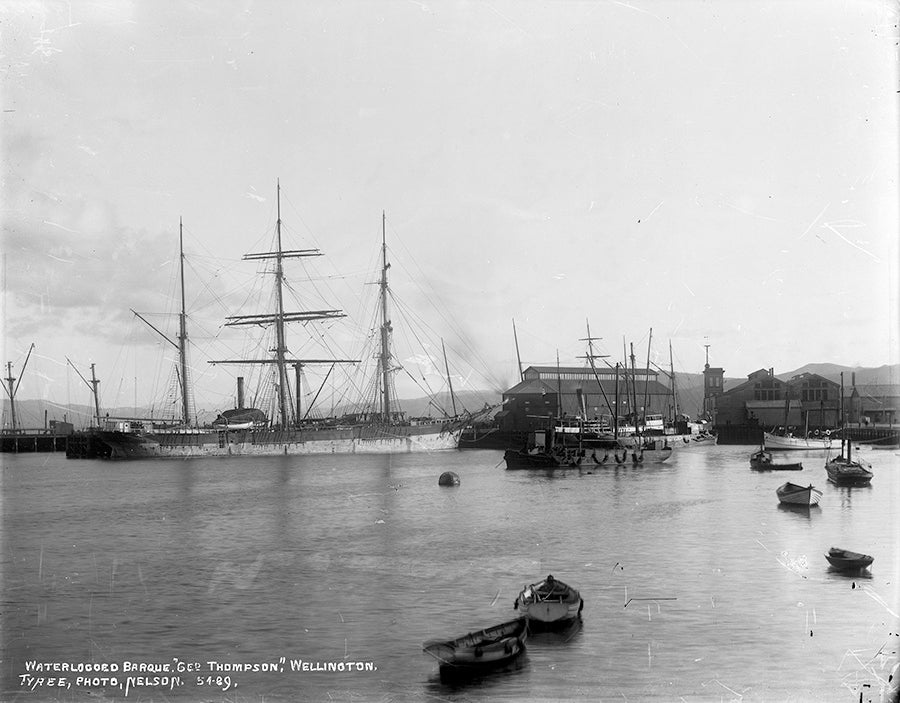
843	470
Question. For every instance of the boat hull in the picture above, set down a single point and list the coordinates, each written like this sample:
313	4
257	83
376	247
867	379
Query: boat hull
843	560
517	459
847	473
791	494
349	440
762	461
479	653
549	604
550	616
779	442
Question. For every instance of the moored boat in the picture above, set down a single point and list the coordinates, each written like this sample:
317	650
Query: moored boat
776	441
544	449
649	450
549	604
530	459
792	494
380	427
480	652
763	461
845	560
843	469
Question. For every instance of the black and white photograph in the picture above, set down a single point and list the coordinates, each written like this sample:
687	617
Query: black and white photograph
405	350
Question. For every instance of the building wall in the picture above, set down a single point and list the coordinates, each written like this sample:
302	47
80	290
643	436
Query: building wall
574	392
811	401
527	411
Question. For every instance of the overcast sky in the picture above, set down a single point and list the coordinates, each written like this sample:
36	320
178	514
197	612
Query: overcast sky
724	173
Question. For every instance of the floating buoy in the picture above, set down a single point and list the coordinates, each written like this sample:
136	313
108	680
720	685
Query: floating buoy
448	478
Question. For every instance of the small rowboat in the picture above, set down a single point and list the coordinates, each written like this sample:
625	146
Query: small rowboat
549	604
479	652
792	494
846	560
762	461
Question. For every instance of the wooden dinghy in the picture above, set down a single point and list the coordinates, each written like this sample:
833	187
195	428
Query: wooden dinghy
481	652
845	560
792	494
762	461
549	604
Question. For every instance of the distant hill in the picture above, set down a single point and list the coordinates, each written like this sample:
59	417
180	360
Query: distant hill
888	374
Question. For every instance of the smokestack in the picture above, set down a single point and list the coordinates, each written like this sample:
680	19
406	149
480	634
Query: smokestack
240	393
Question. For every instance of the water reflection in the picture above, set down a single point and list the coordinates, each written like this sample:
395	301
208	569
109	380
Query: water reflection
851	574
552	638
847	494
803	511
483	683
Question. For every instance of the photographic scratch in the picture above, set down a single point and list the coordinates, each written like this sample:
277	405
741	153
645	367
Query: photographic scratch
813	223
832	226
751	213
65	229
660	20
502	16
654	210
878	599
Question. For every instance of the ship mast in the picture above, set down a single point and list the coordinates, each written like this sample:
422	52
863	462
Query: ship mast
182	333
590	357
385	329
11	392
92	384
280	317
647	378
674	395
518	358
182	336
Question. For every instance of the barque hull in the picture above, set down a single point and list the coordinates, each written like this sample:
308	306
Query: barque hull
349	440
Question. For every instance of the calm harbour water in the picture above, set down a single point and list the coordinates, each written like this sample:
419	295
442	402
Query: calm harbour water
697	585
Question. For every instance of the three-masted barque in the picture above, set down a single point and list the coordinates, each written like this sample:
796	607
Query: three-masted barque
248	431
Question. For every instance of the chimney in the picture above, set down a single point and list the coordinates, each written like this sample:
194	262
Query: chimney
240	393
